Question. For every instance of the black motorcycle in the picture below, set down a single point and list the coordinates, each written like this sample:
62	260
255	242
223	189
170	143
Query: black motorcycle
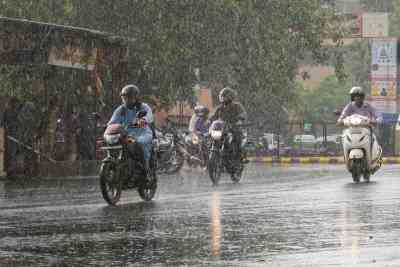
223	154
170	150
121	171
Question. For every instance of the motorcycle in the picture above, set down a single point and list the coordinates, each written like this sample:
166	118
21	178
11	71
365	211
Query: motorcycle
170	155
223	153
362	153
197	147
119	171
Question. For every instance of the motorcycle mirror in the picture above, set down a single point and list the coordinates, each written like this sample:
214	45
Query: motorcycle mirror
337	112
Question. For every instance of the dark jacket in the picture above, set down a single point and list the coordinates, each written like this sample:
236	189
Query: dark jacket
231	113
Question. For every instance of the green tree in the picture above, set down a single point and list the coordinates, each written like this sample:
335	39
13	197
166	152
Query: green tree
254	46
319	105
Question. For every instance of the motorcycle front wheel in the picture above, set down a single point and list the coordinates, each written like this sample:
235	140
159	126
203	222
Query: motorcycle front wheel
110	183
214	167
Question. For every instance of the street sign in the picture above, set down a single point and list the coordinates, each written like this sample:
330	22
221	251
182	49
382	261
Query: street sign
307	126
384	52
375	25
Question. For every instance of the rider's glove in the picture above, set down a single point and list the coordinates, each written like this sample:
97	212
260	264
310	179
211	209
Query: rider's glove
141	123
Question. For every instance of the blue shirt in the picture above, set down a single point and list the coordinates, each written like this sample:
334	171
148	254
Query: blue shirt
128	118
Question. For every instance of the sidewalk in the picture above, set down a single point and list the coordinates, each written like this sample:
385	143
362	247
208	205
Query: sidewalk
313	160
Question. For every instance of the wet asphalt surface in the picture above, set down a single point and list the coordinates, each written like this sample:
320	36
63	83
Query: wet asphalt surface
276	216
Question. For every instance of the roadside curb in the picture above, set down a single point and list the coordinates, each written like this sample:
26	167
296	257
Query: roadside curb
313	160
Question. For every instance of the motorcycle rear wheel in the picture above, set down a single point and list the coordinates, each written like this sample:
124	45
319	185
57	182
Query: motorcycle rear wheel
214	167
110	183
148	188
236	175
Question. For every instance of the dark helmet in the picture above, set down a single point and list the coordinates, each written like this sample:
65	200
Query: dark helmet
356	91
226	95
201	110
130	90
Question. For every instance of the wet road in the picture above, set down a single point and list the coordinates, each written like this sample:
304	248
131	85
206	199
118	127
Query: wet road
277	216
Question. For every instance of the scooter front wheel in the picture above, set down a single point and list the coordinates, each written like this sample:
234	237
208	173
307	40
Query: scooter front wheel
356	170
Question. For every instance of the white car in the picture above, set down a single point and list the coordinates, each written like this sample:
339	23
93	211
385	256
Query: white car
304	143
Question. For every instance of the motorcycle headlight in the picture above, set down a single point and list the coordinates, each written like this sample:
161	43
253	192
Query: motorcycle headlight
195	140
216	135
112	139
356	121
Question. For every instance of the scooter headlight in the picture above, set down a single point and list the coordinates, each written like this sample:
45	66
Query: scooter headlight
348	138
356	121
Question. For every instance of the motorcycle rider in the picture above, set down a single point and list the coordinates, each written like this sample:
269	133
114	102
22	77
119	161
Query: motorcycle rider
357	106
198	123
232	113
138	128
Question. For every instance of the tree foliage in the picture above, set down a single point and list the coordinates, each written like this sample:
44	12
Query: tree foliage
254	46
319	105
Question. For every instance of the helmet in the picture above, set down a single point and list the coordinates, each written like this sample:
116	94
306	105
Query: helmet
226	95
201	110
130	90
356	91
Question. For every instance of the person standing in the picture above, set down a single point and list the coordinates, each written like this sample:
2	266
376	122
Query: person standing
10	124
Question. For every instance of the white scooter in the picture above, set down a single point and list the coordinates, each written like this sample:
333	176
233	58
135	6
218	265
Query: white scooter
362	153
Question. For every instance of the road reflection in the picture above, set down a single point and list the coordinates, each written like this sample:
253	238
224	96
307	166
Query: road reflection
356	219
216	227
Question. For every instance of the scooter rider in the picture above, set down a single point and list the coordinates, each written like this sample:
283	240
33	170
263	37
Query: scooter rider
357	106
232	113
138	128
198	123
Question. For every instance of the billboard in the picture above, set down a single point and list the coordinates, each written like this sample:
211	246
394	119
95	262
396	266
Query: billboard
384	52
375	25
384	89
384	74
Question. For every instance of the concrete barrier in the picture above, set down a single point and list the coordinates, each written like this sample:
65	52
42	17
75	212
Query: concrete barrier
314	160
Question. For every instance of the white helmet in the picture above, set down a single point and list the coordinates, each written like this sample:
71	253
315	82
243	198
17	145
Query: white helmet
356	91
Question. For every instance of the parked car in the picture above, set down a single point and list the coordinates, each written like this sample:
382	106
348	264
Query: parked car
304	144
333	144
